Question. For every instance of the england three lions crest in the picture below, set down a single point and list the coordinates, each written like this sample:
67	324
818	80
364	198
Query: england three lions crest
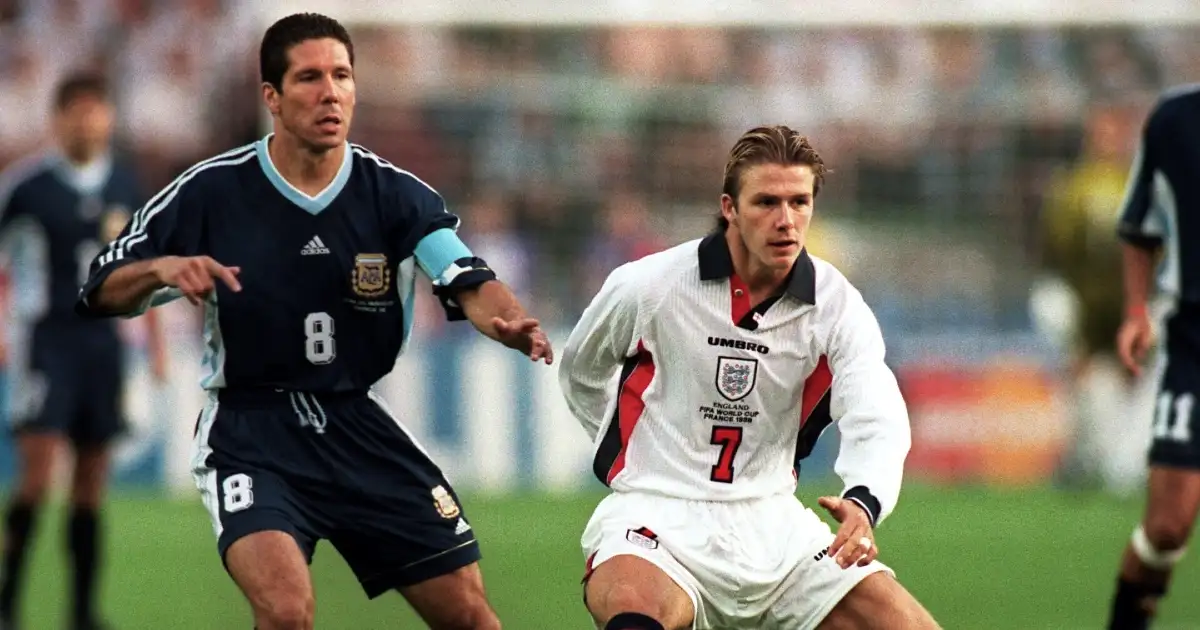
371	276
736	377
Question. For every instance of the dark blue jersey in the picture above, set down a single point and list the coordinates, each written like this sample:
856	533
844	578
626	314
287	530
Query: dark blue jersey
1162	202
54	220
327	281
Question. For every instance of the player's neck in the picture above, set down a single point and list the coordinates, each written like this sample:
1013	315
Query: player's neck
310	172
82	158
763	281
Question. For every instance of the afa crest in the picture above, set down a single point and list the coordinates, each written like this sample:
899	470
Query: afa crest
445	504
371	276
736	377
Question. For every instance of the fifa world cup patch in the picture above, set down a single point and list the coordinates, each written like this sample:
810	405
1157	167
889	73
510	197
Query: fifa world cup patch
642	537
445	504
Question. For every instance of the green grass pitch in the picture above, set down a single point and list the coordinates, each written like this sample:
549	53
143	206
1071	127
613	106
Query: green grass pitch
979	559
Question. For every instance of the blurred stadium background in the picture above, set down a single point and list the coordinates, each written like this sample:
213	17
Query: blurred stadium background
979	153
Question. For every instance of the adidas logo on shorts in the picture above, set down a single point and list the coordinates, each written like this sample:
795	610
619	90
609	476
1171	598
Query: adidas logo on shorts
463	527
314	246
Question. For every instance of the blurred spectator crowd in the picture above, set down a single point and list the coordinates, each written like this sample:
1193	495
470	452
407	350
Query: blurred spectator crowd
568	152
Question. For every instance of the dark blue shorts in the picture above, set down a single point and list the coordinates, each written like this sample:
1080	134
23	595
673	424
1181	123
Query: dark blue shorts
69	381
1176	430
337	468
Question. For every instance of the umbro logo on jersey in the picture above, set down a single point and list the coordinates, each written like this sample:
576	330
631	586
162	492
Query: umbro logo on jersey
738	344
314	246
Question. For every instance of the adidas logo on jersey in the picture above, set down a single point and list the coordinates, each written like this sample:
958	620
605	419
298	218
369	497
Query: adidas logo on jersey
463	527
314	247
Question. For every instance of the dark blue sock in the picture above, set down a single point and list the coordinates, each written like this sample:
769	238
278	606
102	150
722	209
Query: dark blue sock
18	531
83	534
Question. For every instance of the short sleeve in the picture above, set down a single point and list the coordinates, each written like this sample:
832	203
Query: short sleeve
167	225
1141	222
432	234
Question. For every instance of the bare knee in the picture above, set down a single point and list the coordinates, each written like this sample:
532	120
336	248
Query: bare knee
471	612
285	612
630	584
90	476
454	601
1166	533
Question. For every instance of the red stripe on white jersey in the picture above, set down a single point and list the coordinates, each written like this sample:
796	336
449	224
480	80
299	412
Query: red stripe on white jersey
815	387
630	405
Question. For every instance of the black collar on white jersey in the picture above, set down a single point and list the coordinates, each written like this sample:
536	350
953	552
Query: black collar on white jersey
717	263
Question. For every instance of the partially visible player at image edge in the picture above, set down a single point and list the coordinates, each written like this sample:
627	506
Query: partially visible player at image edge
734	352
303	250
67	376
1160	225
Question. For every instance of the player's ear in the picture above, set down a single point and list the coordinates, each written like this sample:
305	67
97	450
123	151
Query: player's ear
728	207
271	98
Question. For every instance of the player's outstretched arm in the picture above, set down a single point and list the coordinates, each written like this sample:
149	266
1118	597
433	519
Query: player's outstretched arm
873	422
468	288
869	409
130	288
494	311
603	339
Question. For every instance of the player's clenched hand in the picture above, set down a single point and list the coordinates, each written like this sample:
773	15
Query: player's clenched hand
1134	339
195	276
525	335
855	540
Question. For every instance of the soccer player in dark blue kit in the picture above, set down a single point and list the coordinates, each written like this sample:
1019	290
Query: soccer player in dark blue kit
66	375
1160	227
303	250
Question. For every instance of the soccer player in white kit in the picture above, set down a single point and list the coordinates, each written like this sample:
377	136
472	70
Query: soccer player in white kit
734	352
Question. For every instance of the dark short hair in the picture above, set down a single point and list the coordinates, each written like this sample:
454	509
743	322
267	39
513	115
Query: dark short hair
775	144
293	30
79	85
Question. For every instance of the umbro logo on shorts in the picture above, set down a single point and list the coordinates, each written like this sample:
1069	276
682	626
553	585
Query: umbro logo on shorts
642	537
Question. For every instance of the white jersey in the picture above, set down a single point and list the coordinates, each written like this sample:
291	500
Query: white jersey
718	399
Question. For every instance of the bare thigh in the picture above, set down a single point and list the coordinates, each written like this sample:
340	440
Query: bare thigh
879	602
38	454
629	584
272	573
453	601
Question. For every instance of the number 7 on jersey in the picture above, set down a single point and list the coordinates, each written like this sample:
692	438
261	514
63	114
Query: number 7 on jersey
729	439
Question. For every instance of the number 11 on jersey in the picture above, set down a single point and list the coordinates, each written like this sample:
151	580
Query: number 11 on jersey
729	439
319	347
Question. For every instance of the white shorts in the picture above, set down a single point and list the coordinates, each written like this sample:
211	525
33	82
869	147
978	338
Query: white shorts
744	564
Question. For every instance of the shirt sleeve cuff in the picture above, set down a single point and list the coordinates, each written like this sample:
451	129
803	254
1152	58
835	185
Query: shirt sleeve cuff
867	501
1149	242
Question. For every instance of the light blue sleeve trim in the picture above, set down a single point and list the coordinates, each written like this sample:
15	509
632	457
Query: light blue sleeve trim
156	299
438	251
